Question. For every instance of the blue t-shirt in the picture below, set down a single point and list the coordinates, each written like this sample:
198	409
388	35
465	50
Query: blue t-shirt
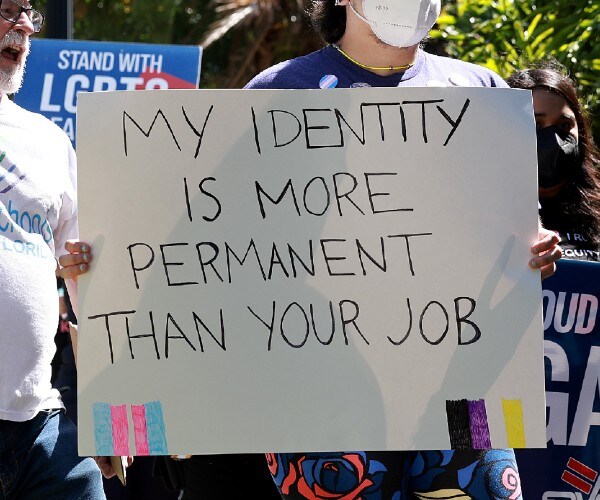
331	68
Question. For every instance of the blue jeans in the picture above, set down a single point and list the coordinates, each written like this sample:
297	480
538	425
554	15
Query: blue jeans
39	460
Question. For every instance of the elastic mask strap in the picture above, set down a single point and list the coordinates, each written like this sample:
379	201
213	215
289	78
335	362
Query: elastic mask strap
359	15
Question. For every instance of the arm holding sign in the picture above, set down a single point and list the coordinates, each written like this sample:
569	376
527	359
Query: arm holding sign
70	266
77	262
73	264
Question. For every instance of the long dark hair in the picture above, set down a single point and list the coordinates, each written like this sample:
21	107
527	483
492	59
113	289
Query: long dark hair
580	198
328	20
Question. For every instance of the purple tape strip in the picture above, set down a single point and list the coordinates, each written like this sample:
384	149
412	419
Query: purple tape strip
480	431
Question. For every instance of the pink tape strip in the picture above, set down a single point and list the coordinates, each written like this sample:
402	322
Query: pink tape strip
138	413
120	429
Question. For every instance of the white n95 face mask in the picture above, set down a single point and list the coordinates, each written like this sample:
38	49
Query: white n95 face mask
401	23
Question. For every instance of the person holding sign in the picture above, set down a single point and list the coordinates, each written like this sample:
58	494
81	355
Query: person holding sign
375	43
569	182
38	215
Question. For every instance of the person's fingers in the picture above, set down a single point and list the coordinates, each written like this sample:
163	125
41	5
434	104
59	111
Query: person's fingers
74	259
546	252
71	272
76	262
547	240
105	467
546	262
548	271
75	246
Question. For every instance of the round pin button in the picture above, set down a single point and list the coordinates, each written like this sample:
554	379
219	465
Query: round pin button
328	82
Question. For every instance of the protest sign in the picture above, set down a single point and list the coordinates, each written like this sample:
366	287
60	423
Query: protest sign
58	69
570	466
308	270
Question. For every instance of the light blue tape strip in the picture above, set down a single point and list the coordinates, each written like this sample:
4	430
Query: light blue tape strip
155	426
103	430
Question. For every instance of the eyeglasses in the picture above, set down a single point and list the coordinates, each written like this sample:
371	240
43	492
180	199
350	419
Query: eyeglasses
11	11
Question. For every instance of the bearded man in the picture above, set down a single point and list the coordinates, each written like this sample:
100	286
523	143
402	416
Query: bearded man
38	225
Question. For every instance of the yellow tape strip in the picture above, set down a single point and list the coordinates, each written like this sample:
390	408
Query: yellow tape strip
513	421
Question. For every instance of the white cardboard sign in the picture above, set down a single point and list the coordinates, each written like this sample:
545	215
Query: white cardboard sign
308	270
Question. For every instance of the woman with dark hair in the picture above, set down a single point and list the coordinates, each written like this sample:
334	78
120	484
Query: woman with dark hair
568	176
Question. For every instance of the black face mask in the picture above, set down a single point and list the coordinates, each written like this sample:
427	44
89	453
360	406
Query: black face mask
558	156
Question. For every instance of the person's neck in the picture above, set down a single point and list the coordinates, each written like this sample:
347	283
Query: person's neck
376	56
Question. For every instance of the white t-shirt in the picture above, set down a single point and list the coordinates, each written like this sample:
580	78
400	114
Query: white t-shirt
38	213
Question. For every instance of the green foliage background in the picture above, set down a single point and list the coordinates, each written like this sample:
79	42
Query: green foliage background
503	35
506	35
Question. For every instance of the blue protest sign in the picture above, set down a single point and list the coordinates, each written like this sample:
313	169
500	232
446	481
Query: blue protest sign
58	69
570	466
